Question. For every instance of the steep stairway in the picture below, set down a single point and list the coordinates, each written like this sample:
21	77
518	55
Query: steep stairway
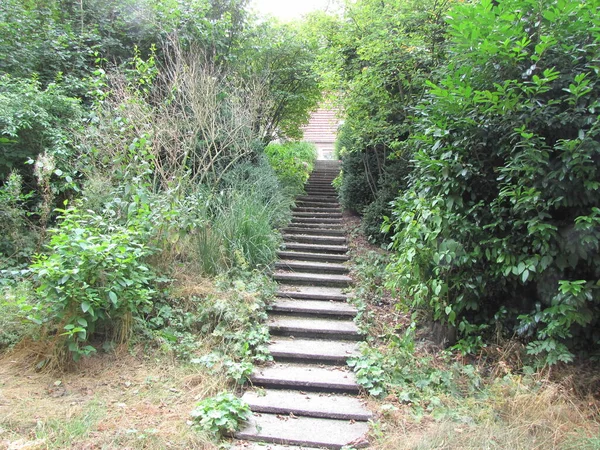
308	397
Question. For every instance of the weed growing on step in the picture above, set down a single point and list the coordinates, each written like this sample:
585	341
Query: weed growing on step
221	414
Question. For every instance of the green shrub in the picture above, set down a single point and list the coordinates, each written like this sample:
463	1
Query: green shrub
34	120
16	302
293	162
93	280
16	236
356	192
392	181
500	221
241	218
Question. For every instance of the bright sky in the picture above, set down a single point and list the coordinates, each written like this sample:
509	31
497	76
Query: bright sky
287	9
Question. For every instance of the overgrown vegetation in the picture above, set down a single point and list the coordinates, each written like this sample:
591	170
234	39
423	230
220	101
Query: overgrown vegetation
472	134
434	398
292	163
138	206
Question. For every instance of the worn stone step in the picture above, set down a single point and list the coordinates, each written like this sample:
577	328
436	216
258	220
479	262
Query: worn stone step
305	377
314	231
318	204
308	431
316	209
311	293
308	404
325	223
316	248
304	256
312	279
312	214
321	189
326	187
248	445
311	239
311	267
317	307
315	351
313	327
325	226
319	199
321	192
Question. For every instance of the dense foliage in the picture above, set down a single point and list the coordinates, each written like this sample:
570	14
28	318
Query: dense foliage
293	162
377	59
500	220
483	118
150	118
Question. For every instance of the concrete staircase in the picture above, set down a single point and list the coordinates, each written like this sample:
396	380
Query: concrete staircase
308	397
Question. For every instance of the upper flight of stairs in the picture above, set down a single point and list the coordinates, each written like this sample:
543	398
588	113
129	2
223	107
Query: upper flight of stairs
308	397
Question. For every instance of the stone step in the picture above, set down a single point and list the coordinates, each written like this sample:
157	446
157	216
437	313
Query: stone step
312	214
315	231
305	377
313	327
308	431
320	187
316	307
312	279
320	192
316	248
310	239
319	221
318	204
311	293
309	404
316	209
326	226
313	350
321	257
311	267
319	199
247	445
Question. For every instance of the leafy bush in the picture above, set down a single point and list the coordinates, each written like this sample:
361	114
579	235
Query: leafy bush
16	301
221	414
15	231
357	189
92	280
33	120
392	181
293	162
500	221
238	229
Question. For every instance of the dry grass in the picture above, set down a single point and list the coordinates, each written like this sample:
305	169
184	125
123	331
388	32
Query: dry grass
111	401
513	416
